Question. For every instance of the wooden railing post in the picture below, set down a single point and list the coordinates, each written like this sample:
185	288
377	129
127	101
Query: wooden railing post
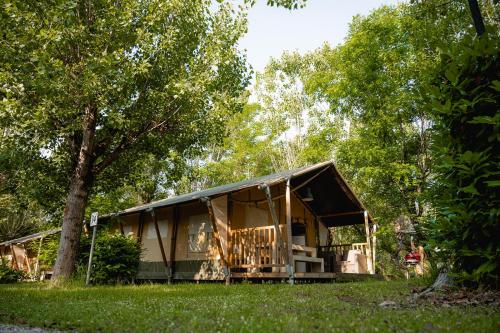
369	258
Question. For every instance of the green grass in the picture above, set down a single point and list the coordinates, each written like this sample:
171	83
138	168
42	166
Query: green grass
342	307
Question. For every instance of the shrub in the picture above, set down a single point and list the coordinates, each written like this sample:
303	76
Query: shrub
465	103
116	259
8	274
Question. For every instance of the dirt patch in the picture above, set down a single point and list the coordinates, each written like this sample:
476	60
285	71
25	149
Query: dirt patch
449	297
348	299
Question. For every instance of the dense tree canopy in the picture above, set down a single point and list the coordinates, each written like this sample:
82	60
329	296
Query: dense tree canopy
363	104
89	87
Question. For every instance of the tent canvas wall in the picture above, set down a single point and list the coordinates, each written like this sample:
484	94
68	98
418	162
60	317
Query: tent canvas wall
274	226
19	255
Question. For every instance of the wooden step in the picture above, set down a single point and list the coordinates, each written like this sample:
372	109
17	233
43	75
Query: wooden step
318	264
307	259
303	248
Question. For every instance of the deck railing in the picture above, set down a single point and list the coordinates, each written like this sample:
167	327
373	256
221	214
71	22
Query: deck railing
344	248
256	247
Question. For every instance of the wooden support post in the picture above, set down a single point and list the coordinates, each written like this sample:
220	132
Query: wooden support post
217	237
121	226
14	259
140	228
158	236
288	217
37	265
26	259
173	238
374	244
230	248
369	258
316	234
272	209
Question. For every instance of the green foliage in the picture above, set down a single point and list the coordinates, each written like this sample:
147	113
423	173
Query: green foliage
288	4
48	252
160	77
465	101
362	104
116	259
358	103
90	91
8	274
18	216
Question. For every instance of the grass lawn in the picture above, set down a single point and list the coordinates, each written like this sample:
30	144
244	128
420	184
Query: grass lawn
341	307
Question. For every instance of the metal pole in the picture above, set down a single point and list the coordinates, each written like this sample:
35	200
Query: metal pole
87	281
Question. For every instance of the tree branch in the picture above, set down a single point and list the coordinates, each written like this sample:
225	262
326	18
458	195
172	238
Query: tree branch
126	142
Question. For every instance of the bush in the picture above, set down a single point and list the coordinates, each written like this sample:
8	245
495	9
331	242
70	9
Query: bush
9	275
465	103
116	259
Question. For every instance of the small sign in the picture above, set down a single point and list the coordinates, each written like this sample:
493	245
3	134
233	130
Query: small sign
93	219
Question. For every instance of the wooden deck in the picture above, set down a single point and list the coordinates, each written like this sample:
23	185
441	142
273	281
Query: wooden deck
308	276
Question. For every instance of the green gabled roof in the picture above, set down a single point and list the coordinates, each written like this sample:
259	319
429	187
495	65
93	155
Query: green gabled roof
224	189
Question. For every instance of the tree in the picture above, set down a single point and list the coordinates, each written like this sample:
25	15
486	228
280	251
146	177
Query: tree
288	4
360	103
87	87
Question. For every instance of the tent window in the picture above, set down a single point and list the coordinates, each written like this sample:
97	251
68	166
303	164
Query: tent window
127	230
200	233
162	225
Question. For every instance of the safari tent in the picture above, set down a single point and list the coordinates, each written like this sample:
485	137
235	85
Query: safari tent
271	227
24	253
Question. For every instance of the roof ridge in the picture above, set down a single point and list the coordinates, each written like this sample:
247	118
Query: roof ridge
221	189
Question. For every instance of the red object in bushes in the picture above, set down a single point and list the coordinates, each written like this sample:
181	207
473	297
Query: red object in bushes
412	258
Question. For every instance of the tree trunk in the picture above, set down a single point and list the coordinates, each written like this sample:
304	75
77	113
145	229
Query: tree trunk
79	187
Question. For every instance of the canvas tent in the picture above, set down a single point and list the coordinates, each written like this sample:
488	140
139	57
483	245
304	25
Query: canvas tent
274	226
20	256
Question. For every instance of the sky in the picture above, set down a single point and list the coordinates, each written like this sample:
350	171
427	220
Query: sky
271	30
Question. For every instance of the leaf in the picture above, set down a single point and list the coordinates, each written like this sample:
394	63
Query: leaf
486	120
487	267
496	85
452	74
493	183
